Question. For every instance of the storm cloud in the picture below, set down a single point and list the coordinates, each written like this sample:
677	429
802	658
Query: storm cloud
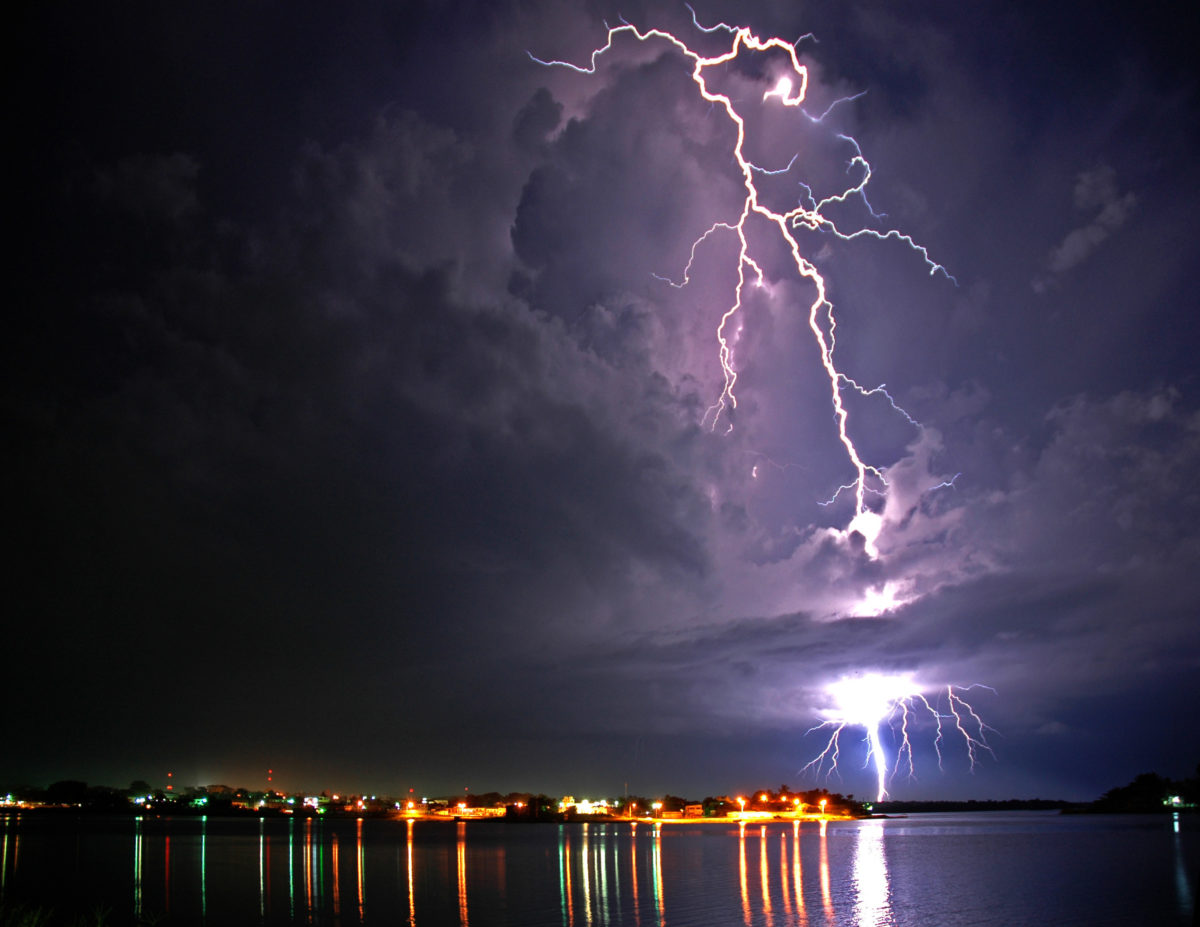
357	428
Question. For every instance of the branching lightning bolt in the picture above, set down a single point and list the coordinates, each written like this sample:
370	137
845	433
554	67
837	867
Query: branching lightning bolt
872	702
809	214
875	702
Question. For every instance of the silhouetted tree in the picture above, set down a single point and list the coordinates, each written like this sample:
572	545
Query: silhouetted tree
1145	793
67	792
106	798
718	806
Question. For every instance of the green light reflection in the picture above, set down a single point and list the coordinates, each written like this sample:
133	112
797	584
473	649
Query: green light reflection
262	899
137	868
291	869
203	873
656	865
562	875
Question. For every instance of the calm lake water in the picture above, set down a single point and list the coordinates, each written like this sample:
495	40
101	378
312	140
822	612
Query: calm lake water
933	869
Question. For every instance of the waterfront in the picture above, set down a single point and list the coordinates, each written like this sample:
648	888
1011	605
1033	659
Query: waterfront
968	869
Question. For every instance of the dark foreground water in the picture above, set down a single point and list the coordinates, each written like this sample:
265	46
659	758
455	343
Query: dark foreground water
935	869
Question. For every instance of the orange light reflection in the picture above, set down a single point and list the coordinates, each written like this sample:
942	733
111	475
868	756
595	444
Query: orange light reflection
412	897
337	887
742	872
308	867
797	876
585	867
569	892
826	898
167	874
783	873
637	911
763	874
656	858
361	874
462	873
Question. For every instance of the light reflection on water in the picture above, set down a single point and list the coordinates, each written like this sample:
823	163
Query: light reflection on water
412	897
791	868
203	866
877	873
461	826
871	906
742	872
762	870
361	870
262	907
798	874
4	859
167	873
633	871
658	873
337	882
1183	885
291	857
137	868
826	897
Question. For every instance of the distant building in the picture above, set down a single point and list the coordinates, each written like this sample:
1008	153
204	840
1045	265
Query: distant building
584	806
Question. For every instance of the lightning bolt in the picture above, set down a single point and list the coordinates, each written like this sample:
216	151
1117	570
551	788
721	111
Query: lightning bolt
876	703
810	214
872	702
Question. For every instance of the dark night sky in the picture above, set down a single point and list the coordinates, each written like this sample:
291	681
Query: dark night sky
351	434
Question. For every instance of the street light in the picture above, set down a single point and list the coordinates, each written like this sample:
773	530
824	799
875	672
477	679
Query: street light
823	801
741	801
657	808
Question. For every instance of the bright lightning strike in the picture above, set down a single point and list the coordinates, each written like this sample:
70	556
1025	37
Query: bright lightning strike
809	214
873	702
876	703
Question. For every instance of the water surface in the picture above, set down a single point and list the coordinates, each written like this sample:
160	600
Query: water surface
931	869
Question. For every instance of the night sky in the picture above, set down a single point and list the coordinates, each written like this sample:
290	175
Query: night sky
351	433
